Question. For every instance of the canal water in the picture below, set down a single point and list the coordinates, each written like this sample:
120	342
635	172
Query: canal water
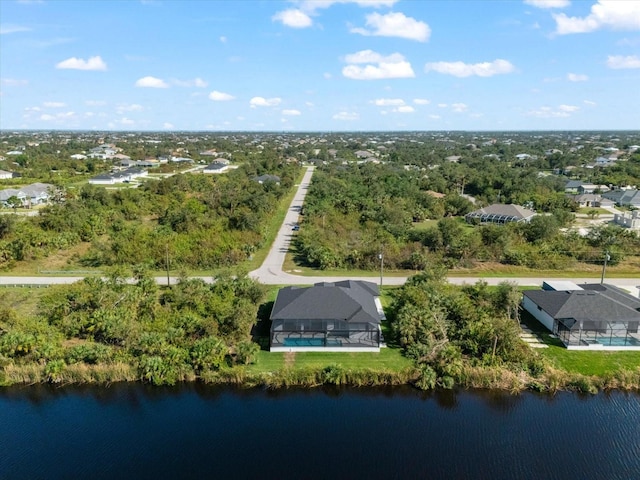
196	431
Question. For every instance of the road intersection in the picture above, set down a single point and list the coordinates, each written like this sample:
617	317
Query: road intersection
271	273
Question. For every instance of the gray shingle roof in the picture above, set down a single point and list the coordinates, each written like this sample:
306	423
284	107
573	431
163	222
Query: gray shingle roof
595	302
353	301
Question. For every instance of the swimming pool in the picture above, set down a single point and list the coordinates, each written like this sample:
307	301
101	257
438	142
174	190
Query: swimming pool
311	342
619	342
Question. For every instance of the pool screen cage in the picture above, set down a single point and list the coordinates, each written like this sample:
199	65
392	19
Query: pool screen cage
303	334
586	331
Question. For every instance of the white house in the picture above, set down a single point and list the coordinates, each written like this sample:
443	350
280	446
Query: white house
4	175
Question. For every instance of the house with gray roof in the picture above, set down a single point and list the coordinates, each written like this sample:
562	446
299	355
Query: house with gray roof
341	316
216	167
8	193
587	317
626	198
499	213
267	178
38	193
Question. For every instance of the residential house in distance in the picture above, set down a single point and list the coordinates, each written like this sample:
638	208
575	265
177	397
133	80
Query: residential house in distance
499	213
217	167
8	193
327	317
579	187
38	193
124	176
587	317
4	175
625	198
267	178
592	200
29	196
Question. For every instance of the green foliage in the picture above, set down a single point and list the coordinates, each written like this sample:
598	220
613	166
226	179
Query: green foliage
443	328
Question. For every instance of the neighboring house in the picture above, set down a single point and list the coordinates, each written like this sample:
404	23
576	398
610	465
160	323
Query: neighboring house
626	198
216	167
572	186
592	200
500	213
628	220
79	156
267	178
589	316
104	179
4	175
38	193
7	193
338	317
363	154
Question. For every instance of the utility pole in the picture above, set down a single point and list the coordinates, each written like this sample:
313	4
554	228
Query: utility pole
604	265
381	257
167	263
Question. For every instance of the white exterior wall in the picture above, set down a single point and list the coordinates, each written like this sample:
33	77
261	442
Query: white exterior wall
543	317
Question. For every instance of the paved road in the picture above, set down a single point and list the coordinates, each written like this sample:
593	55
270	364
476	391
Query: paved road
270	272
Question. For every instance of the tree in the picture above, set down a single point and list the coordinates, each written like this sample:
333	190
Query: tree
14	202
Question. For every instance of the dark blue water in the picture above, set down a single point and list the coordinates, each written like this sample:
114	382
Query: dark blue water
131	431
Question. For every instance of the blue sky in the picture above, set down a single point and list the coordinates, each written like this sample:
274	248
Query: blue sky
325	65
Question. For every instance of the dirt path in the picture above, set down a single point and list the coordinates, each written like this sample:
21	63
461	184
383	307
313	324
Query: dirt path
289	359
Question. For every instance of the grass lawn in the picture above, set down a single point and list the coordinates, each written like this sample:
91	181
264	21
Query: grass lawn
388	358
586	363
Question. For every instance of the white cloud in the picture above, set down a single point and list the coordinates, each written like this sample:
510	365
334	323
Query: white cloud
442	105
404	109
613	14
58	116
129	107
388	102
589	102
13	82
126	121
300	17
435	117
196	82
327	75
346	116
394	24
7	29
223	39
167	126
264	102
95	103
217	96
548	3
618	61
459	107
421	101
379	67
151	82
54	104
577	77
73	63
293	18
461	69
563	111
291	112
